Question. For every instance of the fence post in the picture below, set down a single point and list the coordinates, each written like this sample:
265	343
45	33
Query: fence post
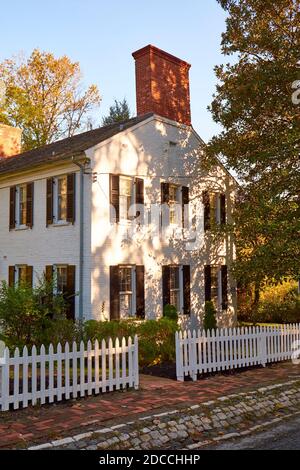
136	362
193	354
179	361
5	381
263	346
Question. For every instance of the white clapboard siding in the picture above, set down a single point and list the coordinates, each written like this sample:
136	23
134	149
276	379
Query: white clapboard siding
202	351
67	372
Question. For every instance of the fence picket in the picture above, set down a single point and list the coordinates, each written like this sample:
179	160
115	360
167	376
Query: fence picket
206	351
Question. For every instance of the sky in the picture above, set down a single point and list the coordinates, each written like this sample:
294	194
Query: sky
101	36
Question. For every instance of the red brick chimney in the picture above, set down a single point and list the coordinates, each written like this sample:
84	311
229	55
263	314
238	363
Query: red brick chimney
10	140
162	84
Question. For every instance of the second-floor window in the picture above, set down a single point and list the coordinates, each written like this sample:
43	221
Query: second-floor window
175	205
214	209
126	198
21	206
61	199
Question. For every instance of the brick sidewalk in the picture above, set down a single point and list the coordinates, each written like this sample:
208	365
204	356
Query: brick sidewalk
48	422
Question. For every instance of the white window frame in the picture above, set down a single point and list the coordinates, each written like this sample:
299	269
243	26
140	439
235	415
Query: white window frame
128	217
219	286
17	207
132	292
177	207
55	200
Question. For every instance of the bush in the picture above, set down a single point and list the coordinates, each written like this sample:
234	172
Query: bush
170	312
157	341
27	313
278	303
210	321
93	329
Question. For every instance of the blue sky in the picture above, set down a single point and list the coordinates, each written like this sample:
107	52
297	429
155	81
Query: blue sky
101	35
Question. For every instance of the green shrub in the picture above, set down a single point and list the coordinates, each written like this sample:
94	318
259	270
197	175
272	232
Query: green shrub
170	312
157	341
26	313
93	329
210	321
279	303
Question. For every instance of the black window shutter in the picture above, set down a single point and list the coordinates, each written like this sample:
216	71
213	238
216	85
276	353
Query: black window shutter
71	181
49	274
12	208
165	193
70	294
224	287
186	289
114	293
166	285
11	276
139	197
29	204
140	291
207	283
49	202
223	209
29	276
206	204
114	191
185	201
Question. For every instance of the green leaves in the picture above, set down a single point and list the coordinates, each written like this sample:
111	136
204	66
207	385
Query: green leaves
261	133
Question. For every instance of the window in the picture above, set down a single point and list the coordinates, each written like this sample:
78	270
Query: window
61	279
20	275
21	205
127	291
214	209
216	286
175	294
176	287
214	289
61	199
174	203
126	197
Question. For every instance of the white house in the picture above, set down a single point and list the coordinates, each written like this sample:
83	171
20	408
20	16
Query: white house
121	215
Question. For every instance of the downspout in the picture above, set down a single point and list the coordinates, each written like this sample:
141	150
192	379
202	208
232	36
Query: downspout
81	235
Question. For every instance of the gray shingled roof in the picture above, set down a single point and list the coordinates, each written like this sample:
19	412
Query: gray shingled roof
66	148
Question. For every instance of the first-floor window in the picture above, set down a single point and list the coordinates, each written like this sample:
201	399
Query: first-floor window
127	292
176	287
126	275
175	291
61	279
20	275
216	289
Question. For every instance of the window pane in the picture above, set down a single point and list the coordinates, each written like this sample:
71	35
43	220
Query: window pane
214	285
125	276
22	205
175	287
61	273
126	305
62	198
126	196
125	280
22	275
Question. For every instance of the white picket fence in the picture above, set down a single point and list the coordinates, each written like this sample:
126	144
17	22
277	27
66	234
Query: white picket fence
69	372
200	352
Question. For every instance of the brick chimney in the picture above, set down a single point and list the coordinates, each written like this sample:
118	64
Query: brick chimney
162	84
10	140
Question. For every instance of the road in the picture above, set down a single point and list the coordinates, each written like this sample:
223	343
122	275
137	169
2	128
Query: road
284	436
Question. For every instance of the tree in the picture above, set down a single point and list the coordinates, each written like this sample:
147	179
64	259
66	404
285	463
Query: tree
45	98
260	138
118	112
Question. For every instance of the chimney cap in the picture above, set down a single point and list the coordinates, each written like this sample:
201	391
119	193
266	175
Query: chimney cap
165	55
